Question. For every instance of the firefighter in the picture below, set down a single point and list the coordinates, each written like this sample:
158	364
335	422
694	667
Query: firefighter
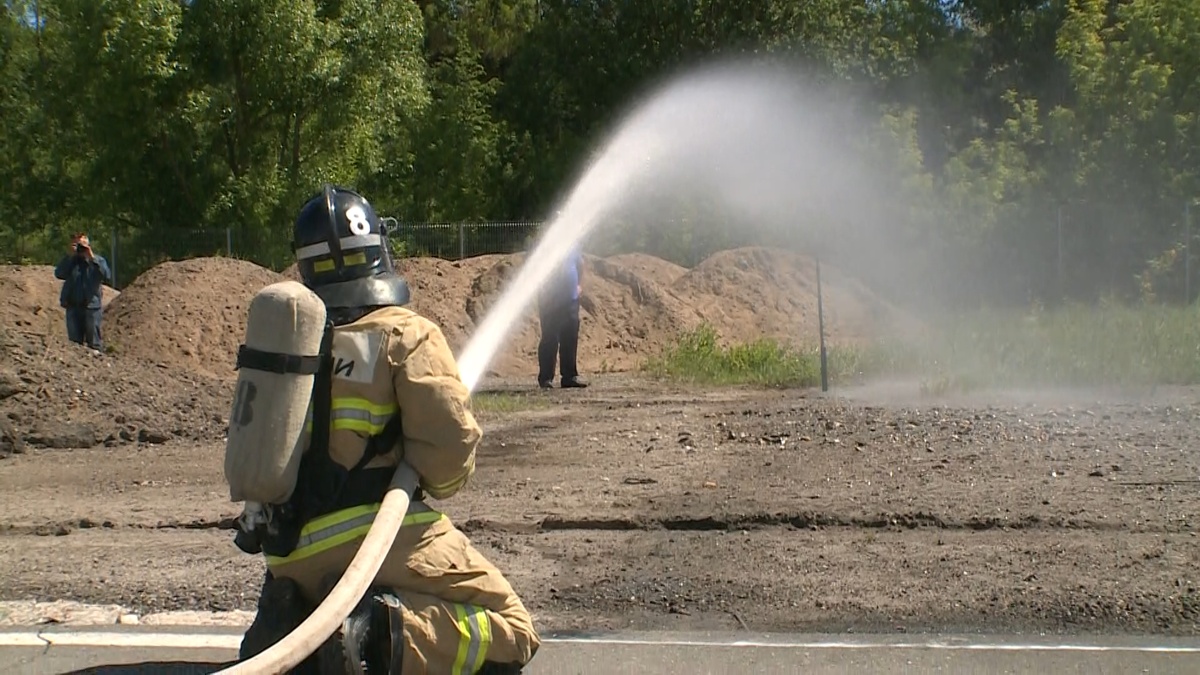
437	604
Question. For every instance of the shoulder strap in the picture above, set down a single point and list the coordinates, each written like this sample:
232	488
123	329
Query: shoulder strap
322	398
319	479
324	480
383	443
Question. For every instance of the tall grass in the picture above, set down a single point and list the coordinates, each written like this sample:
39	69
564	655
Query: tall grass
1074	346
699	357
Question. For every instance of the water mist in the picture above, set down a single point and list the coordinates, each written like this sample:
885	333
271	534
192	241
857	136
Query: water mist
776	153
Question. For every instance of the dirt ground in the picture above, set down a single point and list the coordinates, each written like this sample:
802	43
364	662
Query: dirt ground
172	335
635	504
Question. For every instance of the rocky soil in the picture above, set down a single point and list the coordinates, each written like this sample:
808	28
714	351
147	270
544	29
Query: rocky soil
640	505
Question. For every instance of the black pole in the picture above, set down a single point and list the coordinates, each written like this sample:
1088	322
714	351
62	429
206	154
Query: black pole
821	330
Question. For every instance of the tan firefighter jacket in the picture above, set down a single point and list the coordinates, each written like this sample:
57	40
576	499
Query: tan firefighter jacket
394	361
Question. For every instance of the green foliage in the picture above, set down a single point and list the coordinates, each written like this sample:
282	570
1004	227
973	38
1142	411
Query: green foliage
161	122
1075	345
699	357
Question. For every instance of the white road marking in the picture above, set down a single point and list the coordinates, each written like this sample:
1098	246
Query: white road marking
967	646
232	642
22	640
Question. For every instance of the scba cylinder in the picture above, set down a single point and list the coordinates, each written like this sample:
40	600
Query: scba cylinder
276	369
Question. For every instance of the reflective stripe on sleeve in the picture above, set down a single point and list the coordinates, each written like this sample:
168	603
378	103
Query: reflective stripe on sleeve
476	637
447	487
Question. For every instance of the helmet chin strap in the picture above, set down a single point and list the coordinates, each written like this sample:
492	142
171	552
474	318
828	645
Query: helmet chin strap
335	242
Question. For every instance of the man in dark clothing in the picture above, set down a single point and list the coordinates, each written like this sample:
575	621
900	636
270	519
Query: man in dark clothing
83	274
559	317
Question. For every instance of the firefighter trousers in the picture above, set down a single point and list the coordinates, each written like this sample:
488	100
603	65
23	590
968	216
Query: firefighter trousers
459	611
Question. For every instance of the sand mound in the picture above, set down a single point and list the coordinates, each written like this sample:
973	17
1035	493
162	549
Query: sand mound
623	317
635	304
29	300
440	289
55	394
189	315
176	328
661	272
752	293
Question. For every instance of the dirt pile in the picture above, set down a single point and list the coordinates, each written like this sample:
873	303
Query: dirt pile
623	317
634	304
189	315
175	330
661	272
56	394
29	300
752	293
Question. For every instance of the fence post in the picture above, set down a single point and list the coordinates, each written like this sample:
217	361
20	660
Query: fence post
112	265
229	241
1062	290
462	241
1187	252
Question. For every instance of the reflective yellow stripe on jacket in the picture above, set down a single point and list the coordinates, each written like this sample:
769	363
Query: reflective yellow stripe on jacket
476	632
337	528
357	414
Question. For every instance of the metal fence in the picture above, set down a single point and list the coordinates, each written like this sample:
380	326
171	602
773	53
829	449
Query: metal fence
453	241
1079	250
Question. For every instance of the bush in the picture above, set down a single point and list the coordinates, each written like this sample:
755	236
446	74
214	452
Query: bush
698	357
1074	346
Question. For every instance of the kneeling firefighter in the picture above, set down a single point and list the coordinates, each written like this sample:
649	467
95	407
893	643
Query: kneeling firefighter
388	390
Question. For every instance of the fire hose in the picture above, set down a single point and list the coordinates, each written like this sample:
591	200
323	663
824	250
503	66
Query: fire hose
298	645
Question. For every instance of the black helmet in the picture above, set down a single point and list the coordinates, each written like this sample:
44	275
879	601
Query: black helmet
341	249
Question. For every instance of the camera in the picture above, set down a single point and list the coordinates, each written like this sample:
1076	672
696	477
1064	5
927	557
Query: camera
80	248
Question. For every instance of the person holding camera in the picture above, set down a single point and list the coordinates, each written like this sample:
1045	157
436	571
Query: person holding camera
83	274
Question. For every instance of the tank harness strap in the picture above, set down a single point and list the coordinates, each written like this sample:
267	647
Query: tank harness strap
274	362
323	486
362	485
326	486
318	481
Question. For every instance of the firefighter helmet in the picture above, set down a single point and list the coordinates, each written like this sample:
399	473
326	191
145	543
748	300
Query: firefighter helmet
342	251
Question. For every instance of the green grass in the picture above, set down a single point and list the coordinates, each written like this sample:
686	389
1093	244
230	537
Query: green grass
1107	344
501	402
698	357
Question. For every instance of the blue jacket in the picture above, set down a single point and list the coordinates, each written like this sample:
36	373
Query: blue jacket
573	272
562	288
82	281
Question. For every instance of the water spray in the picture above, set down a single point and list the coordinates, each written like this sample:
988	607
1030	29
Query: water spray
747	137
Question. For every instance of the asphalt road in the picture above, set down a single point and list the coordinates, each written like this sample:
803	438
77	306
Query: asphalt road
194	651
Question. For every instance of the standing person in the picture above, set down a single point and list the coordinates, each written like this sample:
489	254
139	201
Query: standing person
558	315
437	605
83	274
